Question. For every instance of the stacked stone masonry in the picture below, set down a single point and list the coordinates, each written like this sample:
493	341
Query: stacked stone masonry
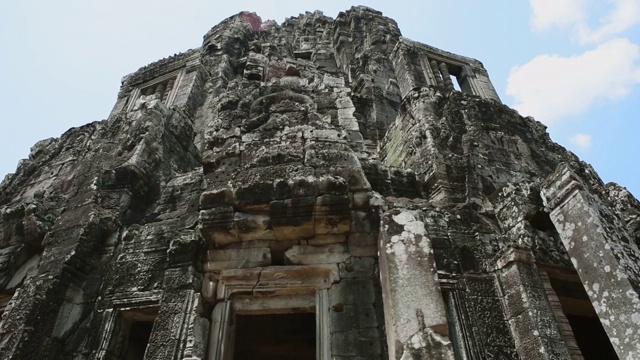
324	180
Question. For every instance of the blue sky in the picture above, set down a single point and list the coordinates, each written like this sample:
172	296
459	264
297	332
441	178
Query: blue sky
572	64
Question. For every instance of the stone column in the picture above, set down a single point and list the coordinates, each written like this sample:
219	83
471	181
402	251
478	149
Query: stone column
167	91
446	77
180	331
414	310
221	336
527	309
605	257
436	72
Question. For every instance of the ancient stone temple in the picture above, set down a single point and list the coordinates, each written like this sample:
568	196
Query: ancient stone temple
319	189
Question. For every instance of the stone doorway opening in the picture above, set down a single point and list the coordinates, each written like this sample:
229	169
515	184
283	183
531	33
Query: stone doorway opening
275	336
139	336
137	327
587	331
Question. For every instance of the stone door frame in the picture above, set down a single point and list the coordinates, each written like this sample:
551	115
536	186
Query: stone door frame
271	290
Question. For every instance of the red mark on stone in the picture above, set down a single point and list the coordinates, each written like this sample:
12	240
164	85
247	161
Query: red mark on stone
291	71
252	19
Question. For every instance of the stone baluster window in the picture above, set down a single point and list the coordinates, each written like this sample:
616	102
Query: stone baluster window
163	88
160	90
451	76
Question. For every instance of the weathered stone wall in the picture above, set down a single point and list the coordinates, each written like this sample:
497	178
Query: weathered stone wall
323	166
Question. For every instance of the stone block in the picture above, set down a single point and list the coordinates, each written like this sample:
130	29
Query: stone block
320	276
365	221
332	214
331	185
218	260
249	244
309	254
295	188
363	244
293	218
250	227
357	267
257	192
182	278
216	225
209	285
351	317
365	342
353	291
216	197
274	303
325	239
354	176
324	158
361	199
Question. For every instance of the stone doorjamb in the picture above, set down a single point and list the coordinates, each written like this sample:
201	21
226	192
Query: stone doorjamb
113	316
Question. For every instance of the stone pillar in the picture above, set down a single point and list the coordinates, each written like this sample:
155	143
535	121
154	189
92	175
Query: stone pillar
180	331
323	325
167	91
436	72
414	309
159	91
527	309
150	90
222	332
481	84
446	77
605	257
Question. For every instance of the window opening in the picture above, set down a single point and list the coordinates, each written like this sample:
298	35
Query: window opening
450	75
455	82
275	337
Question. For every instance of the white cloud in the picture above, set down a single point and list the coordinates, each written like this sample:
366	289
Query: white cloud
581	141
548	13
624	15
550	87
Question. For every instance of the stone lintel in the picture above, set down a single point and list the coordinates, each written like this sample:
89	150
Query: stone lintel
276	280
218	260
309	254
294	303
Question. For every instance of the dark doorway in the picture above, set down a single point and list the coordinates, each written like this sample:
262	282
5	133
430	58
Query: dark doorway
275	337
588	332
139	335
134	333
591	338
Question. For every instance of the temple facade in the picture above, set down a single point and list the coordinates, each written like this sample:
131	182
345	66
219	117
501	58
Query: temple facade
317	189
